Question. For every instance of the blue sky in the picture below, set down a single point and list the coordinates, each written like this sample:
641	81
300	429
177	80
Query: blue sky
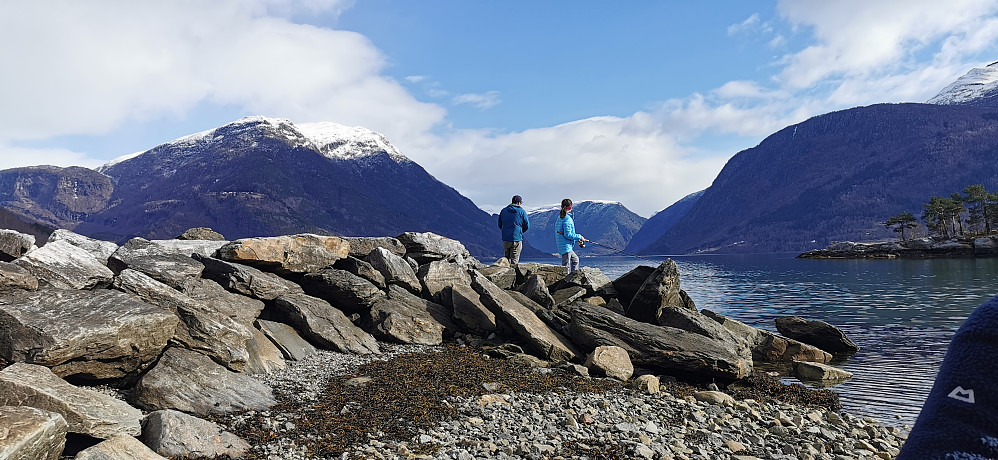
638	102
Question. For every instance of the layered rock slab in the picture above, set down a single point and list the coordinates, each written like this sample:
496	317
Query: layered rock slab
302	253
324	325
27	433
61	265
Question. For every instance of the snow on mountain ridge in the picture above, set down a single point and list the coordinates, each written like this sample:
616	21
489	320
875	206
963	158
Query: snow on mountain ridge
976	83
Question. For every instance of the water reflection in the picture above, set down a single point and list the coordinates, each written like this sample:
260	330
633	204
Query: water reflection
902	313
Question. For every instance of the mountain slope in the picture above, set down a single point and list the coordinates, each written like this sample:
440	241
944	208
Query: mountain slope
661	222
608	223
260	177
838	176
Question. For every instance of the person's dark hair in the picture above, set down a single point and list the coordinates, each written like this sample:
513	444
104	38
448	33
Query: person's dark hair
565	204
517	199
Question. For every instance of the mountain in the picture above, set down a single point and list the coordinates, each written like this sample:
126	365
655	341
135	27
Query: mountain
976	86
661	222
839	176
52	196
608	223
262	176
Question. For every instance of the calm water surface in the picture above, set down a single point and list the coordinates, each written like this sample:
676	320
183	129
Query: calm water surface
902	313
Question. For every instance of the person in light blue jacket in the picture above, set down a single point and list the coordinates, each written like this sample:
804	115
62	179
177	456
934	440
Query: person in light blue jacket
565	237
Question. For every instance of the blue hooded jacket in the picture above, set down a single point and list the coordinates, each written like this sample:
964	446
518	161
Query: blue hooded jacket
564	234
513	222
959	420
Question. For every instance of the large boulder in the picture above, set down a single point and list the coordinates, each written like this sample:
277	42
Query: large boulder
469	311
629	283
568	295
543	341
201	233
405	318
551	273
14	244
344	290
394	268
62	265
201	328
536	289
100	334
160	262
243	309
264	356
362	269
427	247
286	339
323	325
610	361
302	253
361	246
437	276
696	322
101	250
13	276
119	447
769	347
188	381
590	278
817	333
659	291
86	411
178	435
27	433
246	280
503	276
666	349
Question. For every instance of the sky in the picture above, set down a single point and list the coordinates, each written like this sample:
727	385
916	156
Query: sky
638	102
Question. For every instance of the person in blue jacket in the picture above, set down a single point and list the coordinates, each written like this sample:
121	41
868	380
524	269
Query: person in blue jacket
513	222
565	237
959	419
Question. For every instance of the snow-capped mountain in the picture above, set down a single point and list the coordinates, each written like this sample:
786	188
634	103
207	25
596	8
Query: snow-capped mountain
265	176
606	222
976	84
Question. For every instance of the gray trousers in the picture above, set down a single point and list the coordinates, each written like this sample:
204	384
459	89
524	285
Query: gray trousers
570	260
512	249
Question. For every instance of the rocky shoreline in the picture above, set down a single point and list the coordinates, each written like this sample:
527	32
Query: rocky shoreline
308	346
920	248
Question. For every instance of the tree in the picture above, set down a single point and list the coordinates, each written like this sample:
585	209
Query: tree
981	205
900	222
936	216
955	210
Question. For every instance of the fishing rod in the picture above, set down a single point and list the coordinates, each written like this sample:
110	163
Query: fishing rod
618	250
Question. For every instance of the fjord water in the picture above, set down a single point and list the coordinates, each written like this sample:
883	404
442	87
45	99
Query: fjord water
902	313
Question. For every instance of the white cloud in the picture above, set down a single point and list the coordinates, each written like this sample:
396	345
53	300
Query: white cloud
751	23
480	101
416	78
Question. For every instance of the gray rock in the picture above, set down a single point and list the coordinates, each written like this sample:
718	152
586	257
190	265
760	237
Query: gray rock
660	290
437	276
264	356
287	339
302	253
542	340
99	334
504	277
714	397
119	447
156	261
178	435
201	233
551	273
394	268
647	383
536	289
246	280
817	371
188	381
27	433
568	295
610	361
344	290
526	301
405	318
817	333
427	247
62	265
590	278
201	328
362	269
323	325
86	411
469	311
767	346
13	276
101	250
14	244
361	246
662	348
243	309
629	283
